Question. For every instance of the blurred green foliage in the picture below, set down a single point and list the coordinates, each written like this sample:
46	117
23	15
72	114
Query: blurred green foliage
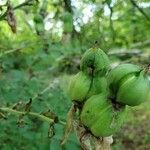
50	38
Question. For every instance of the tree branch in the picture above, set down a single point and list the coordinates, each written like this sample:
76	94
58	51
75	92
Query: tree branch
16	112
34	114
124	52
26	3
141	44
111	22
9	51
141	10
16	49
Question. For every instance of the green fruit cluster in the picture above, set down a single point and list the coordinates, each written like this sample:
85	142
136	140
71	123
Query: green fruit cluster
129	84
104	94
91	79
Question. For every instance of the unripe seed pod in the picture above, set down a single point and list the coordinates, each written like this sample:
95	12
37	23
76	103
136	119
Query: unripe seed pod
79	86
91	109
95	60
119	72
100	116
134	89
109	121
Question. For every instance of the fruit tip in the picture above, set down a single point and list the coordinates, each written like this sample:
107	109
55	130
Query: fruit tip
95	46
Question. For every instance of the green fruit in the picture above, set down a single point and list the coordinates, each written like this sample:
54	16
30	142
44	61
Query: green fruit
79	86
100	117
119	72
83	86
94	60
134	89
109	122
91	109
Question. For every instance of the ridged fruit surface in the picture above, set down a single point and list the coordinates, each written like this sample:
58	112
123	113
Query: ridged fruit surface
134	89
94	59
119	72
99	115
98	85
108	122
79	86
91	109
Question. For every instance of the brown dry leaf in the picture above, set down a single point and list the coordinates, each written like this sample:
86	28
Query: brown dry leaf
18	106
86	139
2	116
20	121
69	124
51	131
51	115
27	108
90	142
11	18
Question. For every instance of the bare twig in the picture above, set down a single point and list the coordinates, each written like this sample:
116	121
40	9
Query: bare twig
26	45
140	10
16	112
69	124
11	19
26	3
10	51
124	52
34	114
111	22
